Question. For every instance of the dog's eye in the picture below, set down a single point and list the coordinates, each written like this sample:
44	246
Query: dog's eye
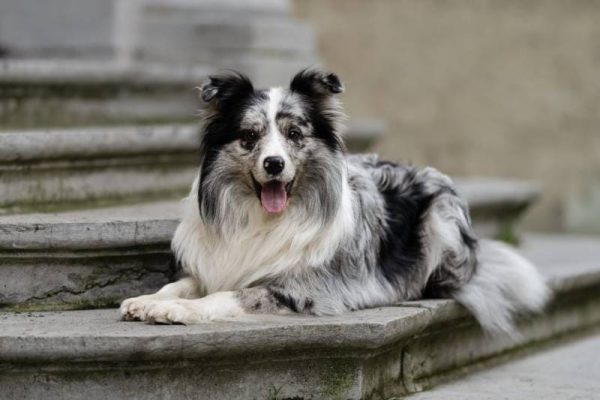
295	134
250	136
249	139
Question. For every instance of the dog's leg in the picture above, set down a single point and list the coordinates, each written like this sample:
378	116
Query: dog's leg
219	305
133	309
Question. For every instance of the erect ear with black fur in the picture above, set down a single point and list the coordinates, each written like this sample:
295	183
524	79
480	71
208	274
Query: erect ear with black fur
219	89
313	82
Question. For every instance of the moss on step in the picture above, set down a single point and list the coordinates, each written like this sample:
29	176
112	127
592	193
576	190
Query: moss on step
339	379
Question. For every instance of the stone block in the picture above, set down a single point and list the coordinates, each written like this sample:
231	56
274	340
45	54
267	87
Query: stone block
67	28
85	259
58	168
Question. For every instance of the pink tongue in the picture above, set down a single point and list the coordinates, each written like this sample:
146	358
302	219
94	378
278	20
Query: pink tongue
273	197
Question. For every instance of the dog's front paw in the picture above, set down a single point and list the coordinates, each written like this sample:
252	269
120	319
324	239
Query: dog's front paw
133	309
217	306
171	312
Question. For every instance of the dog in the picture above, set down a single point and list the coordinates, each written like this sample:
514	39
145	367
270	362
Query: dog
280	219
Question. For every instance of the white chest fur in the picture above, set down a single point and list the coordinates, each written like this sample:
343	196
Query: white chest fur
267	246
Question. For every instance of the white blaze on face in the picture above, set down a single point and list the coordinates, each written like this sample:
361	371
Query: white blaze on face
274	142
273	193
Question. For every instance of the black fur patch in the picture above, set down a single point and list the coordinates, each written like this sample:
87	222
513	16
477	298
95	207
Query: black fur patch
234	94
315	87
283	300
401	249
316	83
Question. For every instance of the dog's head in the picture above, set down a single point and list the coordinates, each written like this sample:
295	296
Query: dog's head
277	148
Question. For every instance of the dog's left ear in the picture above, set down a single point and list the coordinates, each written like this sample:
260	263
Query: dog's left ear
219	89
316	83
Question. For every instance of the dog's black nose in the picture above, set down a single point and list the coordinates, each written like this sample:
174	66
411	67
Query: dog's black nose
274	165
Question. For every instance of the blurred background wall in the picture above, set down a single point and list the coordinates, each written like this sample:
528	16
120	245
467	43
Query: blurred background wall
478	88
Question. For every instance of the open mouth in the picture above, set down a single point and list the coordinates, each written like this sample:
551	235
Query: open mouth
273	195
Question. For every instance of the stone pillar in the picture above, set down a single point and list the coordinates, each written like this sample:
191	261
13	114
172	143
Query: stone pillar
68	29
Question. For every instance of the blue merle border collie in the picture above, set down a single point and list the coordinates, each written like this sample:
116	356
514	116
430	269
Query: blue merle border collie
281	220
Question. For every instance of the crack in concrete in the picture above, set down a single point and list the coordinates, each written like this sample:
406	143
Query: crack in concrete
125	275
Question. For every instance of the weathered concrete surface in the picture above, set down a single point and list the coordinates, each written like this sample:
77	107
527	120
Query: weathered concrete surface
76	280
94	142
376	353
569	372
112	227
497	205
42	94
57	167
52	72
85	259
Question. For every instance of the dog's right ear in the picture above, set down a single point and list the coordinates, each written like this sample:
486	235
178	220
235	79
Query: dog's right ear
316	83
219	89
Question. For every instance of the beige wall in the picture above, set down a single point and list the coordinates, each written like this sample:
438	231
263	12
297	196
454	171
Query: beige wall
498	88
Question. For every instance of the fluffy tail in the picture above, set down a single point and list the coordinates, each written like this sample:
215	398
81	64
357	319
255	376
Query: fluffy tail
504	285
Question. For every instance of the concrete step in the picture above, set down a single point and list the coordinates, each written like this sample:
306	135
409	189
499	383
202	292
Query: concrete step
66	168
372	354
83	167
570	371
497	205
83	259
51	93
59	93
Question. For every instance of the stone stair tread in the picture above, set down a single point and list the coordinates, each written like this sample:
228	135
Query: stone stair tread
93	72
100	328
563	256
142	223
481	190
21	146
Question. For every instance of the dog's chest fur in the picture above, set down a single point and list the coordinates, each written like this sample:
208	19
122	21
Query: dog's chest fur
264	248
